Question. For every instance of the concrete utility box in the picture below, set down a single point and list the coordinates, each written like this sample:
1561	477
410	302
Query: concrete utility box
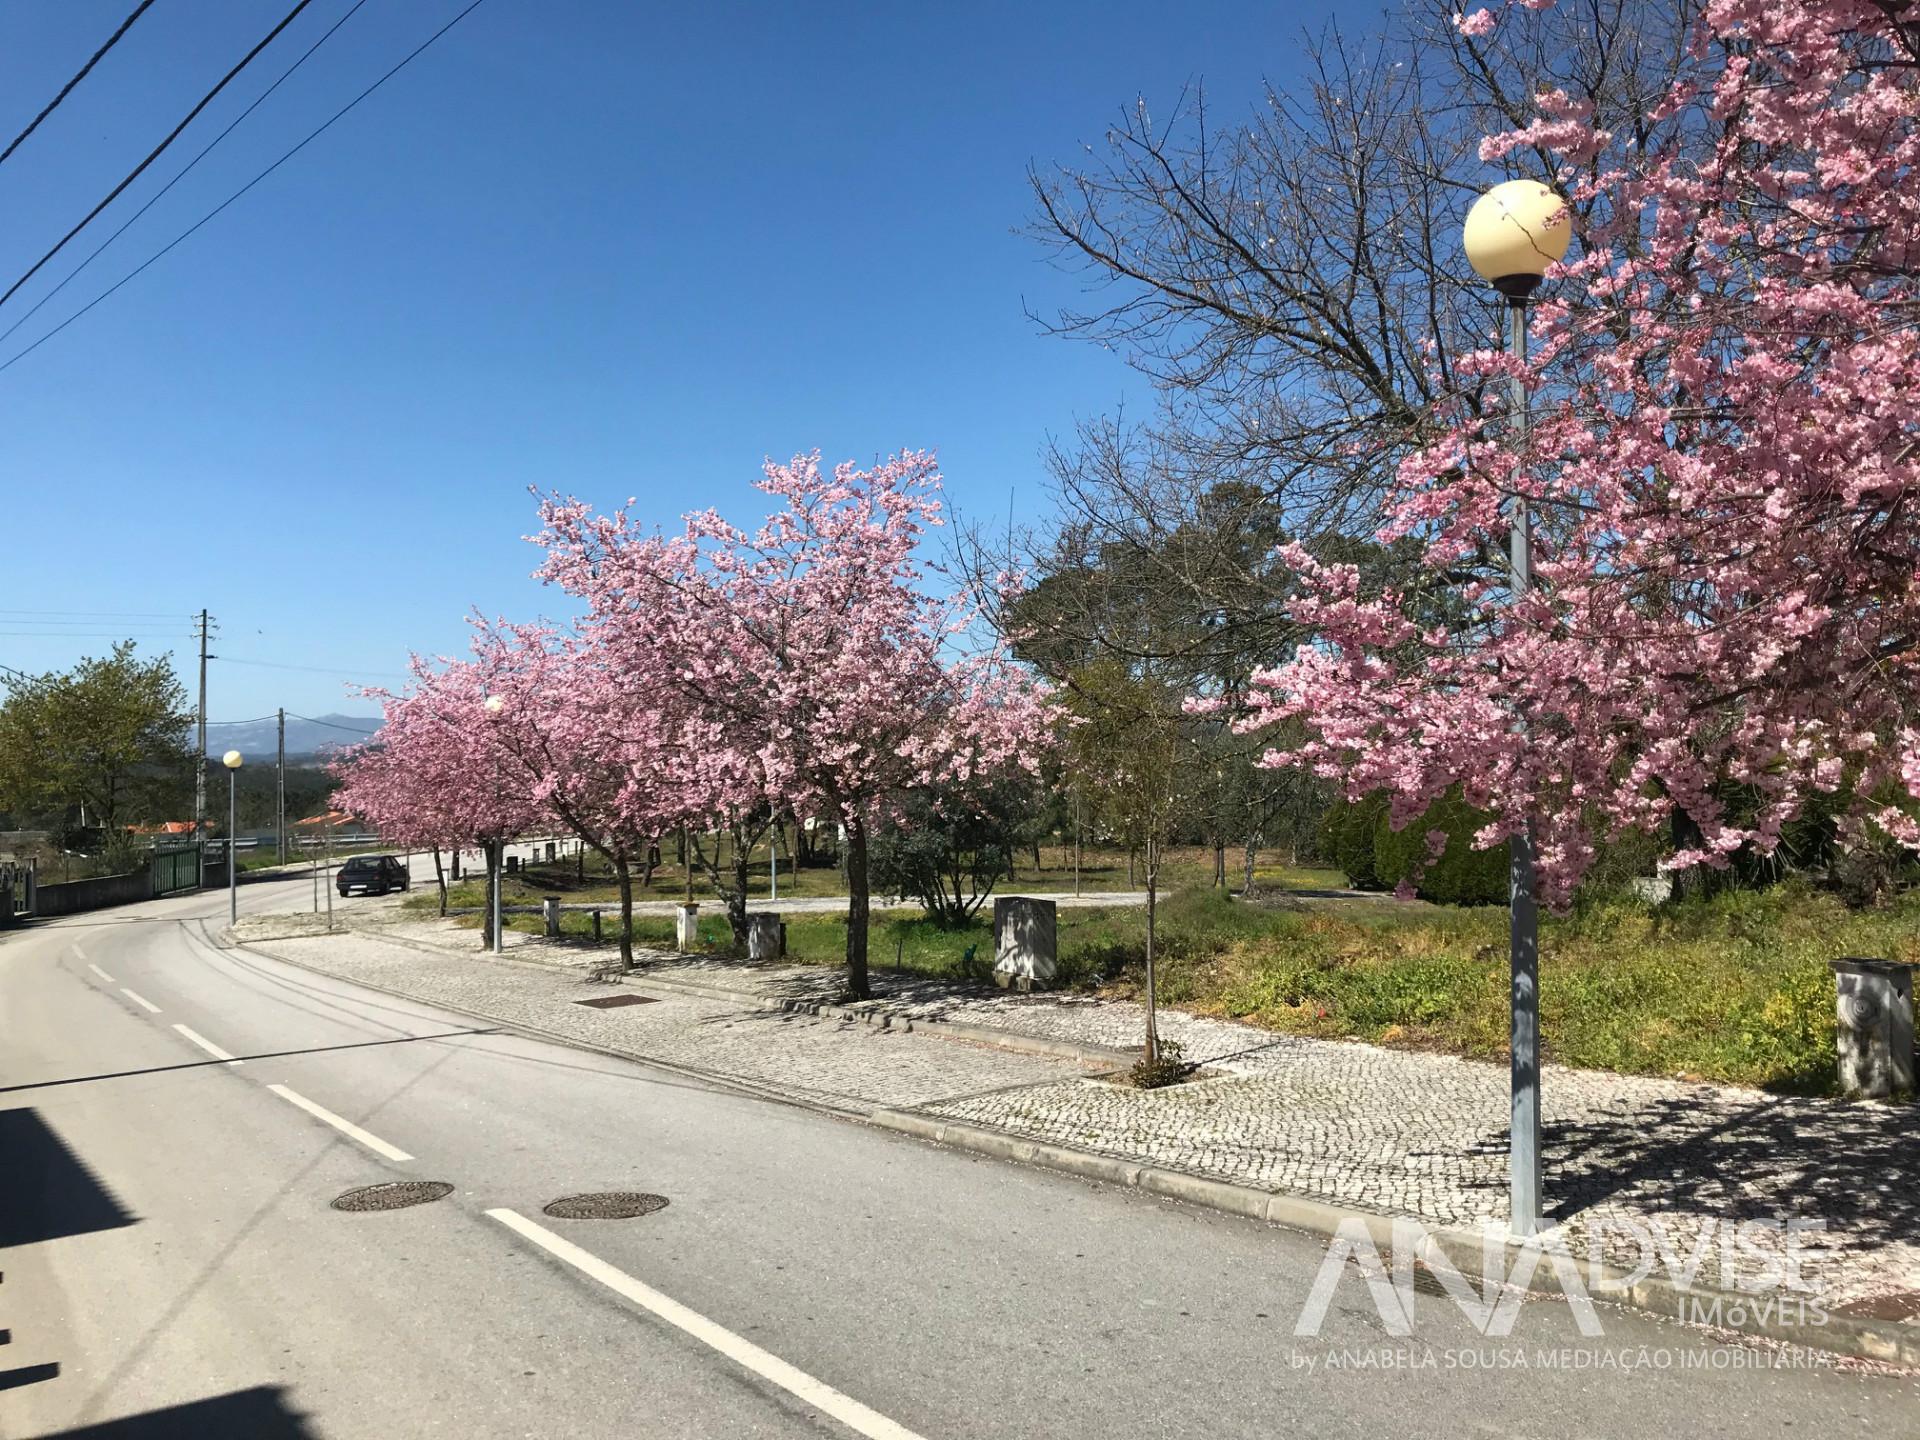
1025	943
766	937
1875	1031
686	927
550	909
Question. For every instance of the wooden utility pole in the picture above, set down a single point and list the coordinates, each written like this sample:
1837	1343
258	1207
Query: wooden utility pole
200	750
280	804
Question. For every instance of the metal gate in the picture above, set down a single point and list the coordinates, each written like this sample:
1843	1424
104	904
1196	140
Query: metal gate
175	869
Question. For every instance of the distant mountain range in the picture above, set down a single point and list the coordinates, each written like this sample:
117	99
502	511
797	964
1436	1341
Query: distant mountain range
320	735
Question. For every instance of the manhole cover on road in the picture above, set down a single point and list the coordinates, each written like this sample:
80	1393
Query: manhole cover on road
608	1002
393	1195
611	1205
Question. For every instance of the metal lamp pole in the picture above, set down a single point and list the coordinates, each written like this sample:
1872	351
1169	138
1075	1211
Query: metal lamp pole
1513	233
232	761
494	705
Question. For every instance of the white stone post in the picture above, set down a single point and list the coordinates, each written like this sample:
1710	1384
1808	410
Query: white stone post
686	928
765	935
1874	1000
1025	943
551	907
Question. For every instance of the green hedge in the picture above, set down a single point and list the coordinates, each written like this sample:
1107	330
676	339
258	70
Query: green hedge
1361	840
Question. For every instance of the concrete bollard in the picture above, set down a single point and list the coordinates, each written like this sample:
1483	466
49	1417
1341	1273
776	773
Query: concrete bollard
686	928
1025	942
764	936
550	908
1874	1000
596	927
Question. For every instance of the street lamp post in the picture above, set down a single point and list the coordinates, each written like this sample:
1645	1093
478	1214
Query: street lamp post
495	704
232	761
1513	233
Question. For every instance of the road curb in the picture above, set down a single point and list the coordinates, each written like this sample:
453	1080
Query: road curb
1888	1342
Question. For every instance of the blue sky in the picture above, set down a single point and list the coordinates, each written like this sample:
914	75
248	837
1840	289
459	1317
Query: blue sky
609	248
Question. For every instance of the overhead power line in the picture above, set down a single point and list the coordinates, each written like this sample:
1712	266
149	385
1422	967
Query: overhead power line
154	154
95	615
185	170
313	135
314	669
67	89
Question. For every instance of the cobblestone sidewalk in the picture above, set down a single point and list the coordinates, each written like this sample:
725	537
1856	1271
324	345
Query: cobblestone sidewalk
1357	1125
1426	1135
841	1063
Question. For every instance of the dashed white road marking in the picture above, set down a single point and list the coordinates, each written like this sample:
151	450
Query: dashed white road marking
208	1046
101	973
817	1393
344	1126
151	1008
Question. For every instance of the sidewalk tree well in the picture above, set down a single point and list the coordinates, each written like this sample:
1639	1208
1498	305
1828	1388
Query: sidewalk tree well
435	773
811	646
1724	470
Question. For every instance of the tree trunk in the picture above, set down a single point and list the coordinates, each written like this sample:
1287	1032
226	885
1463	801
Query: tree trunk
440	878
493	884
737	901
646	868
1253	853
625	872
1131	882
1693	880
857	907
1219	863
1153	1017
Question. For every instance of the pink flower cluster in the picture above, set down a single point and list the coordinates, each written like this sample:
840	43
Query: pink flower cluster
1724	476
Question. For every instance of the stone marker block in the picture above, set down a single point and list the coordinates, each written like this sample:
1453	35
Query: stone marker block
686	927
550	910
765	937
1025	942
1874	1001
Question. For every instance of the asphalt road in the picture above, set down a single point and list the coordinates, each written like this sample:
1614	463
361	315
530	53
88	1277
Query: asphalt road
173	1263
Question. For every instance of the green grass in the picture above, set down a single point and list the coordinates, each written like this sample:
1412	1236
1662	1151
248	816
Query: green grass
1733	988
1102	870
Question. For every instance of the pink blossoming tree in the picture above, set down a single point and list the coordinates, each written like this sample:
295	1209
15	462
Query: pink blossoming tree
1724	471
820	668
435	772
603	760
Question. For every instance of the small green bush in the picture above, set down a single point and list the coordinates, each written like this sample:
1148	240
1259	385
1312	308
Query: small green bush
1168	1069
1361	840
1346	838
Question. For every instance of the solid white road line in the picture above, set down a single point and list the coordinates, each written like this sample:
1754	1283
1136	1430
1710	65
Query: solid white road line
817	1393
345	1127
152	1009
101	973
208	1046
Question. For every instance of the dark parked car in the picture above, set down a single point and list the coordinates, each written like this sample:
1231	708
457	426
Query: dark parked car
372	874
